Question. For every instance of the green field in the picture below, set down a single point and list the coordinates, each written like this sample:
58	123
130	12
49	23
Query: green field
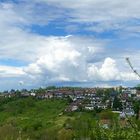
32	119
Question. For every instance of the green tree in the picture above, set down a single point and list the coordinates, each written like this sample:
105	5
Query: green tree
41	91
136	107
117	105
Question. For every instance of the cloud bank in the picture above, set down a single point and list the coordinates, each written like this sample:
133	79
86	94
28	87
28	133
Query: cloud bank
86	53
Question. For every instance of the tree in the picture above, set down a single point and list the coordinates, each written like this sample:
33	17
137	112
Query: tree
41	91
136	107
138	87
117	105
51	88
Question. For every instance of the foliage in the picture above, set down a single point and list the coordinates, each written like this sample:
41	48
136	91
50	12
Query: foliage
136	107
33	119
117	105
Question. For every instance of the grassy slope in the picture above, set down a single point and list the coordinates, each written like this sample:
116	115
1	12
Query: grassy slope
33	116
41	119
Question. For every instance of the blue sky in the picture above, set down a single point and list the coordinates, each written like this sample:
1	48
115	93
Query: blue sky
76	43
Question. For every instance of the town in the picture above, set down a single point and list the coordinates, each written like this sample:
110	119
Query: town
119	99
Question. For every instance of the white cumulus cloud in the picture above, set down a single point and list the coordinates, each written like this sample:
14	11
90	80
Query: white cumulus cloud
109	72
72	58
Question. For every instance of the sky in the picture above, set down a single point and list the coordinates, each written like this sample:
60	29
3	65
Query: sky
68	43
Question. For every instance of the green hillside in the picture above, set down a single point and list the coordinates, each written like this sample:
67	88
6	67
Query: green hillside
29	116
33	119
